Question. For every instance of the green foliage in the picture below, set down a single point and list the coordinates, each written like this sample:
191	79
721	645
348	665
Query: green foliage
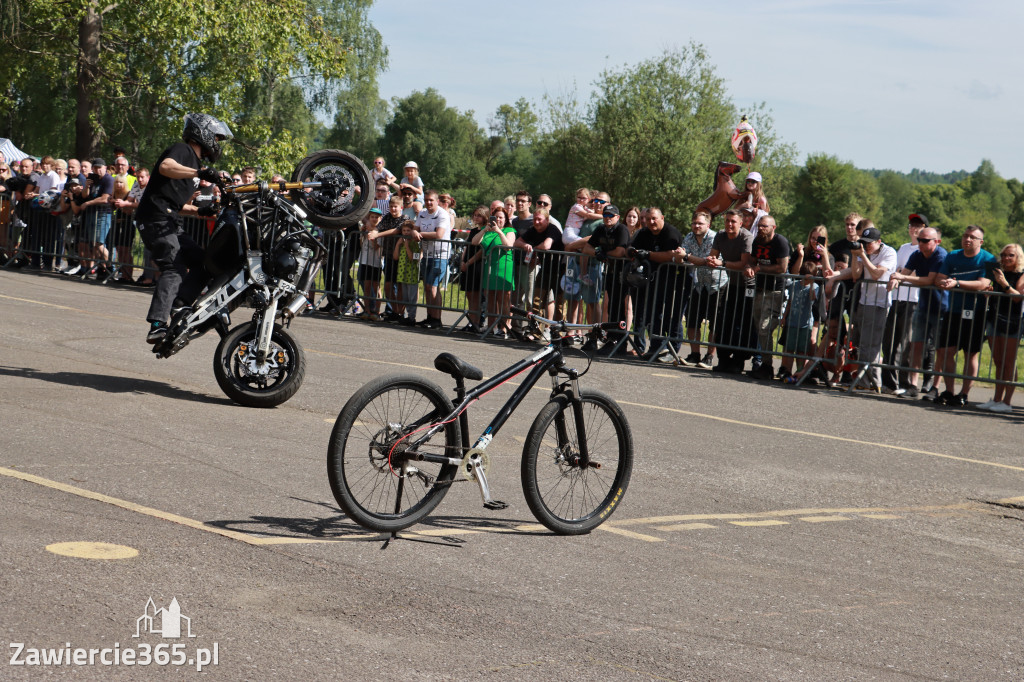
446	143
828	189
263	67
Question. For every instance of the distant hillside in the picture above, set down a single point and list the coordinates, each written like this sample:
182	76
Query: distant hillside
920	177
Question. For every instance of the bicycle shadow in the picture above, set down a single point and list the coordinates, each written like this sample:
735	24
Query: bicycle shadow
112	384
439	530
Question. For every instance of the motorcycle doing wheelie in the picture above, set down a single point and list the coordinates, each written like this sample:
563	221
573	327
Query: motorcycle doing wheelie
262	254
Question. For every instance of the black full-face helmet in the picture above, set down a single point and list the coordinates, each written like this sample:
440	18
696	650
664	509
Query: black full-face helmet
208	133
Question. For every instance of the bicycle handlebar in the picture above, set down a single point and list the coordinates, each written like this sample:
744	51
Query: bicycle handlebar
600	326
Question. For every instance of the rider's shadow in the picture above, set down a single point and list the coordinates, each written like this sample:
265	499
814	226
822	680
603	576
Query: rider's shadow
111	384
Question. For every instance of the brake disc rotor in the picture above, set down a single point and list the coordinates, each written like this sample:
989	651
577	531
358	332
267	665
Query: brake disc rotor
249	365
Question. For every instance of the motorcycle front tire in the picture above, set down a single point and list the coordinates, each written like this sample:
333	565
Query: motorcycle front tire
331	162
248	390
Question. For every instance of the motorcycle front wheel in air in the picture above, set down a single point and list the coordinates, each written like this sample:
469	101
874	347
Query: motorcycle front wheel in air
346	195
372	460
252	383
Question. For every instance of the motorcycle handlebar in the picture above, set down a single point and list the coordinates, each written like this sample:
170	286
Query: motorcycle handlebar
276	186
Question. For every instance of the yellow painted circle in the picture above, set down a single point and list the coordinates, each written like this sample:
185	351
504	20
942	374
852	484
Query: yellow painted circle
92	550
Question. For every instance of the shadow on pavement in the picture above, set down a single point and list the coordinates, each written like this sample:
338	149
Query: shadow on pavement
112	384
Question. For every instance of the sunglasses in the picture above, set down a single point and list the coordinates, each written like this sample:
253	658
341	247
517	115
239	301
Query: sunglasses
543	203
599	201
925	241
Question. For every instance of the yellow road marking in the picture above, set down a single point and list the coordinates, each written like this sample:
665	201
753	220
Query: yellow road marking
766	522
441	532
686	526
823	519
667	376
629	533
93	550
784	513
881	516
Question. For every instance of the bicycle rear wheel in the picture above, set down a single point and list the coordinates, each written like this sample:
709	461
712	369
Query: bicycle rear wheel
566	498
372	473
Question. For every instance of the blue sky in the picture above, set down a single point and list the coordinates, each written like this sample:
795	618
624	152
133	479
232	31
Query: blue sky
882	83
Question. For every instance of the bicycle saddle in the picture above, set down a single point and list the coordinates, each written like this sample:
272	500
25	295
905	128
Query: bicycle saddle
449	364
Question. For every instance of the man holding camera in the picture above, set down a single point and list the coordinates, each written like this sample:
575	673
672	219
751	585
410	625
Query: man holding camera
871	265
176	175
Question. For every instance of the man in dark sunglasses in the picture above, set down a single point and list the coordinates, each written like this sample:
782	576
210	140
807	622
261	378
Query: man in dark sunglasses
896	343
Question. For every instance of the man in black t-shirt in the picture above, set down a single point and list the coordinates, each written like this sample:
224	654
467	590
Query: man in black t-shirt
665	296
607	244
769	262
537	242
176	175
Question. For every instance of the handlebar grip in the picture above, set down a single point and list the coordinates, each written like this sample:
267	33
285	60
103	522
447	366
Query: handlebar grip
520	311
612	326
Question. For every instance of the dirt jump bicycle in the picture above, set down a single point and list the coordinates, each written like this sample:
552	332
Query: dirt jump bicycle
399	443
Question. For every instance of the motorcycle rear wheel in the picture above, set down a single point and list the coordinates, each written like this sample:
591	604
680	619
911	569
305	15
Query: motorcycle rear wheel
250	383
344	204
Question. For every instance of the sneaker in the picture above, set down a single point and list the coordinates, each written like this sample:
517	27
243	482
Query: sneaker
762	372
1001	408
707	361
959	400
691	359
899	391
944	398
425	323
469	328
987	405
71	272
783	374
407	321
930	394
499	334
910	392
157	332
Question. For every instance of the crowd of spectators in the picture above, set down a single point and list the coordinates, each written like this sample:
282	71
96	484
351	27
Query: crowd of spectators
829	312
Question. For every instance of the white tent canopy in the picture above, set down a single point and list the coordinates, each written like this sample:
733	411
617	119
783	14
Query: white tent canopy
11	153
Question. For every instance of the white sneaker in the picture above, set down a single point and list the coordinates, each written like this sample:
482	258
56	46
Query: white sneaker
1001	408
988	405
72	271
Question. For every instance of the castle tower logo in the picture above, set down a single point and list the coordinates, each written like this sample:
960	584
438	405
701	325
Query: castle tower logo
166	622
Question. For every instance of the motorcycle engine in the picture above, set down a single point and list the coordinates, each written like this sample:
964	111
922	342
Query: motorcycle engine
288	259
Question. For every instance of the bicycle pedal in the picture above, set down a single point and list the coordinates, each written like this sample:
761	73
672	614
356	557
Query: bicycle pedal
495	505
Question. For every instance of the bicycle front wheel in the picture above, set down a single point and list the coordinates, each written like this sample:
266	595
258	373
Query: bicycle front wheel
371	462
568	498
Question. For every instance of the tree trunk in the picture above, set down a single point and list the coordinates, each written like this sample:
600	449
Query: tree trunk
87	130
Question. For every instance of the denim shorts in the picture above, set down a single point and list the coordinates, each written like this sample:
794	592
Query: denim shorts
97	226
433	271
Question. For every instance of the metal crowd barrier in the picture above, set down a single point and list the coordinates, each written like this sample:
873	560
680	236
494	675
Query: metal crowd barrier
681	308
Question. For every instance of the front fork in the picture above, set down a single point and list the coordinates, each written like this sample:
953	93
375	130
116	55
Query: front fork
582	460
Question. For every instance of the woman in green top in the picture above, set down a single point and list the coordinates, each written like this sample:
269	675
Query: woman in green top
496	242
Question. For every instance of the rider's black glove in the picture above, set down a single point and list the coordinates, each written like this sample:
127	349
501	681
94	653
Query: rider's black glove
211	175
206	211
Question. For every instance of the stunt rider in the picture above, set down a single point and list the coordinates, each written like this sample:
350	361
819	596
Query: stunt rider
176	176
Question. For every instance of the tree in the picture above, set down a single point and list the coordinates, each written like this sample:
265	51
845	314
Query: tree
446	143
516	124
827	189
136	68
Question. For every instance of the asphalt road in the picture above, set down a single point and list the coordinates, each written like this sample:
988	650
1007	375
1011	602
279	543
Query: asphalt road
767	533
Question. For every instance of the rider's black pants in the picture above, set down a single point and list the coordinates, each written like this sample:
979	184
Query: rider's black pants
180	261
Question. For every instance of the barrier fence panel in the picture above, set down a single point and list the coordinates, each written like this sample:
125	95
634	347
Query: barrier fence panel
898	337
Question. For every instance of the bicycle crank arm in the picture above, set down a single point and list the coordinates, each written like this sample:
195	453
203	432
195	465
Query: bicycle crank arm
476	471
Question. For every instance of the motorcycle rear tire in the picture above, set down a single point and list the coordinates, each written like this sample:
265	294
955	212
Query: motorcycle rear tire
243	392
352	169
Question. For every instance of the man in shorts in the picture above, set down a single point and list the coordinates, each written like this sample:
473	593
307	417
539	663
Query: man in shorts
434	226
963	275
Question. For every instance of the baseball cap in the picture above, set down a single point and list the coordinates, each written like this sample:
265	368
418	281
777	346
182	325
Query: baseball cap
412	164
610	210
871	234
376	210
98	162
410	190
921	217
73	181
754	175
